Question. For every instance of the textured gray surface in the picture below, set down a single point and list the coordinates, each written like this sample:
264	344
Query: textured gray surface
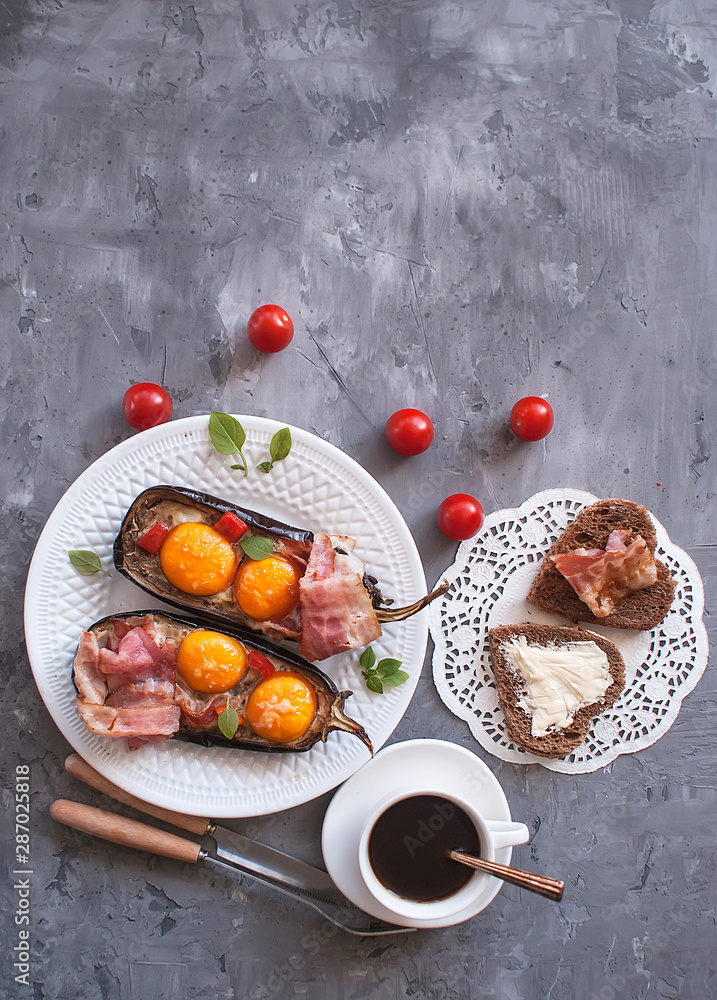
459	204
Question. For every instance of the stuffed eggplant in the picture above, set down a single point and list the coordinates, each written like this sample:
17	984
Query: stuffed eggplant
148	676
239	568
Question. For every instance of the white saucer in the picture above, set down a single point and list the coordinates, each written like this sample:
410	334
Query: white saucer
408	766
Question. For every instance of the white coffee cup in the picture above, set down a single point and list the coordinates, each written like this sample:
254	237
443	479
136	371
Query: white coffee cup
492	835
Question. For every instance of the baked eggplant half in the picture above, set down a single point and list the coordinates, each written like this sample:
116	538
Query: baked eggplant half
149	676
236	567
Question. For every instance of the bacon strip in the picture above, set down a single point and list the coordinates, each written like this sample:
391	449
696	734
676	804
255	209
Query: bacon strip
287	628
142	695
90	683
128	691
602	577
201	711
139	657
297	551
197	709
336	609
153	721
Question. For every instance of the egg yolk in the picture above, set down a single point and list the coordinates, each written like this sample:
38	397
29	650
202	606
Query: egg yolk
282	707
197	560
210	662
267	589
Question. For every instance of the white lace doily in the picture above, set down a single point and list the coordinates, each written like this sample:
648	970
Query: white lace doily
489	579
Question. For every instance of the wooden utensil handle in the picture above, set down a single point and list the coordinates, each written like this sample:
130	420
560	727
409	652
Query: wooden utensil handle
79	768
121	830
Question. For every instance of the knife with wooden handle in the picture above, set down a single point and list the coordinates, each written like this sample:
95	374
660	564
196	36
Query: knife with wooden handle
229	850
253	858
80	769
122	830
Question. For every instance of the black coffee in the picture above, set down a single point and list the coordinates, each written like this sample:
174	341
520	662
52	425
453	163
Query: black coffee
410	844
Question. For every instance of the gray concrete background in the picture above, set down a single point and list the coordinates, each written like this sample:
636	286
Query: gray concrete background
459	204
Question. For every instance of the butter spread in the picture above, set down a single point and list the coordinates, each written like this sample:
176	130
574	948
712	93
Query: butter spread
559	679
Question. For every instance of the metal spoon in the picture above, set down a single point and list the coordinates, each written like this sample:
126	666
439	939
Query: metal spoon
544	886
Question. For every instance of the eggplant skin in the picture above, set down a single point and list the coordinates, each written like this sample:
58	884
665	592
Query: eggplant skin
203	501
143	569
329	700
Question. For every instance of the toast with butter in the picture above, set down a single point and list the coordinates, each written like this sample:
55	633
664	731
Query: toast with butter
552	682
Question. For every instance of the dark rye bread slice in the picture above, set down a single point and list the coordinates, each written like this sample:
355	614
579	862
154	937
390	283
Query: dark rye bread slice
643	609
511	688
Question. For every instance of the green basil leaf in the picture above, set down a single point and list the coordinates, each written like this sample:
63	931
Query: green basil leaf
367	658
257	547
374	684
280	445
228	722
240	467
388	667
393	680
279	448
86	562
226	432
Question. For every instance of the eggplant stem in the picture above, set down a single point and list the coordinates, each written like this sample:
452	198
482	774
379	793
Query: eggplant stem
339	720
398	614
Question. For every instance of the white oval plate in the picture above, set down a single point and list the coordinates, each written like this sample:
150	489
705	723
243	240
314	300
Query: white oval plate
317	487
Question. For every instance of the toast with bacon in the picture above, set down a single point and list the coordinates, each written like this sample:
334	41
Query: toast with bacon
607	539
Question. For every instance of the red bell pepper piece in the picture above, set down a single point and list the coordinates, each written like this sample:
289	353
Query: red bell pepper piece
261	663
151	540
220	708
230	526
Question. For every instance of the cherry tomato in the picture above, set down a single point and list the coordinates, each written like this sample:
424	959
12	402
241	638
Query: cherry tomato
409	432
146	405
460	516
531	419
270	329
